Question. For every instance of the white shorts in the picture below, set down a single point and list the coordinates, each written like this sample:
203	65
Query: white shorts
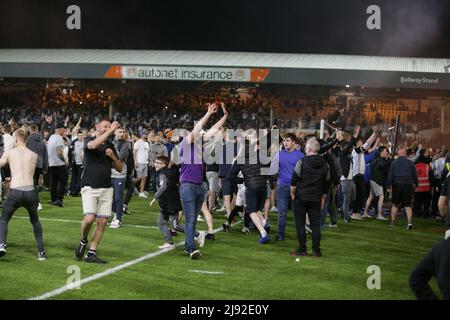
141	170
376	189
213	180
240	197
97	202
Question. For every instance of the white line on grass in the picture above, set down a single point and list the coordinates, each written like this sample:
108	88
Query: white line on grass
79	222
110	271
206	272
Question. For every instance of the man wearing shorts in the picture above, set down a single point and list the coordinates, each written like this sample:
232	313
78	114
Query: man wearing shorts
255	185
379	166
97	191
22	162
403	178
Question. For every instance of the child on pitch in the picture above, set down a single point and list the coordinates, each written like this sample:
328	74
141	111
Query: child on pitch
168	198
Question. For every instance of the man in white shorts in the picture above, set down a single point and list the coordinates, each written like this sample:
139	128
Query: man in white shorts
97	191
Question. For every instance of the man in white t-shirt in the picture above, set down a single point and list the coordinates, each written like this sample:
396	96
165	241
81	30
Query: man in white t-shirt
141	157
7	145
57	165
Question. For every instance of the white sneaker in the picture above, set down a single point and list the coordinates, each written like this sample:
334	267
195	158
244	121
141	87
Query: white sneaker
142	195
409	227
222	209
39	207
199	218
364	216
146	193
274	209
167	245
201	238
308	229
332	225
447	234
357	216
115	224
381	218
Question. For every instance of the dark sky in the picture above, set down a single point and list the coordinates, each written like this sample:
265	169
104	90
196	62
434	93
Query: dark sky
409	27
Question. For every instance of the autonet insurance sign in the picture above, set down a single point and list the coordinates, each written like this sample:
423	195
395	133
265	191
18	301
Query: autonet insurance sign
186	73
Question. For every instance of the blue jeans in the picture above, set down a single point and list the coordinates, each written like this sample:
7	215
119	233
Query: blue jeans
192	196
118	185
283	199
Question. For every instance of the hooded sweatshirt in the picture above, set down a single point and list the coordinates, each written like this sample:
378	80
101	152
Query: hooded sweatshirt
311	176
37	145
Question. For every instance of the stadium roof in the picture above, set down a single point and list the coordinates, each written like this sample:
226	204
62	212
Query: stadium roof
251	67
225	59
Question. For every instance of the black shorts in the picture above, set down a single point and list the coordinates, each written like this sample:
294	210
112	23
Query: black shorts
255	199
228	188
402	194
446	188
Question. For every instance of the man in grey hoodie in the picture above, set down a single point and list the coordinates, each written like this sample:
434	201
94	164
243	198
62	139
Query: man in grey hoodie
38	146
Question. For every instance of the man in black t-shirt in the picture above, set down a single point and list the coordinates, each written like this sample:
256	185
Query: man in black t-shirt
96	188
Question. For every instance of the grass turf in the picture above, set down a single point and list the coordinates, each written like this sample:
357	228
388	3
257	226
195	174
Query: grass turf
250	270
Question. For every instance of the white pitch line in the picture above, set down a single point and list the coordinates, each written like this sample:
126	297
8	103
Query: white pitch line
109	271
207	272
79	222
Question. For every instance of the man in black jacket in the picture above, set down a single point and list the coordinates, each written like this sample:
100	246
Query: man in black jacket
309	186
255	183
437	264
37	145
403	178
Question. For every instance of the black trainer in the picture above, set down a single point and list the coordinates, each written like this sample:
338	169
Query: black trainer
42	256
298	253
210	236
79	252
2	250
317	254
125	209
94	259
226	227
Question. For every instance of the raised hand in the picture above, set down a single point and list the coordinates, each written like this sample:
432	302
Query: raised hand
225	112
212	108
357	131
377	142
114	126
110	153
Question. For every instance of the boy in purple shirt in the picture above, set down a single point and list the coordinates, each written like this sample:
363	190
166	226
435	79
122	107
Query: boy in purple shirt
191	174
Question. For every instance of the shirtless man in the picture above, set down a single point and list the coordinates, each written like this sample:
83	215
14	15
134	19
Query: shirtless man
22	162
